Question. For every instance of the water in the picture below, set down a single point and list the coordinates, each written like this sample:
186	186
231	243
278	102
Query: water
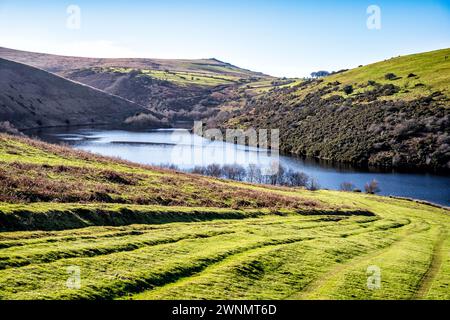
181	148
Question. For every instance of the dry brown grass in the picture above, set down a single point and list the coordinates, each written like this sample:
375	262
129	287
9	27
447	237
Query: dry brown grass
95	178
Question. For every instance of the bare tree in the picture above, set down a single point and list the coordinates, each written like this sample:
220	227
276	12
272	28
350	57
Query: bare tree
296	179
313	185
213	170
234	172
254	173
199	170
347	186
372	187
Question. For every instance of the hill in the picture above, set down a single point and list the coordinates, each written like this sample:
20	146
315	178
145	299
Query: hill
180	89
138	232
30	98
393	113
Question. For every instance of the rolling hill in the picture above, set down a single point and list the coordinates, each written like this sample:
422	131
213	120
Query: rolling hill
390	114
31	98
138	232
179	89
394	113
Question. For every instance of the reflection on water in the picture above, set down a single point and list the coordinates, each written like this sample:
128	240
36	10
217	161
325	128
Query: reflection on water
181	148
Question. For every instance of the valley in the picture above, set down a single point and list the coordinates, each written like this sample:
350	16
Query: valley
119	223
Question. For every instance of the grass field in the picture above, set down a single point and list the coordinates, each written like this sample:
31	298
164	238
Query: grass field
184	78
137	232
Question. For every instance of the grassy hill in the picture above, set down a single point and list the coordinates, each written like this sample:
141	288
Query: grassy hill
31	98
180	89
138	232
393	113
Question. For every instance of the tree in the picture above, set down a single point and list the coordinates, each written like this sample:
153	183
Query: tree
213	170
372	187
254	173
320	74
313	185
296	179
347	186
234	172
198	170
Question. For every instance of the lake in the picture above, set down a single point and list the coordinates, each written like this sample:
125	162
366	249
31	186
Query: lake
185	150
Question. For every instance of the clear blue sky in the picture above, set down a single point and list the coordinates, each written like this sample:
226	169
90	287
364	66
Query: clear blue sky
282	38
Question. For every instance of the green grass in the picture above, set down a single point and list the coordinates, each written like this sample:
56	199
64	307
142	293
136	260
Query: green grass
279	243
431	70
196	75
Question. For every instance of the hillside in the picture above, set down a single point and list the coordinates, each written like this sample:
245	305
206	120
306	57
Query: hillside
30	98
394	113
180	89
138	232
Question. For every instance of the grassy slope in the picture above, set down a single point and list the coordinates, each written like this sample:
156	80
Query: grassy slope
204	71
225	240
402	122
180	89
431	69
30	98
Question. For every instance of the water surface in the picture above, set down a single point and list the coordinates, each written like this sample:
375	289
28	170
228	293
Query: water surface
181	148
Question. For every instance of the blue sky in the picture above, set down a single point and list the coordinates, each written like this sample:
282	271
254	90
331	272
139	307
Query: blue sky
282	38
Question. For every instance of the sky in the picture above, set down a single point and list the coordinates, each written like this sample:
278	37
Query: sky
289	38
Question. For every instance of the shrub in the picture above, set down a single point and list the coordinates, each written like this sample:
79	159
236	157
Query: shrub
390	76
348	89
8	127
142	119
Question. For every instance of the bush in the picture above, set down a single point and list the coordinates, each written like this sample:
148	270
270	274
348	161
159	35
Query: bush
9	128
390	76
348	89
143	119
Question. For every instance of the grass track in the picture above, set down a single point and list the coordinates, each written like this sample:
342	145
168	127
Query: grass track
218	240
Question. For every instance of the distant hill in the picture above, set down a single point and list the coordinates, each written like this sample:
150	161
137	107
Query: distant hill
394	113
180	89
58	64
30	98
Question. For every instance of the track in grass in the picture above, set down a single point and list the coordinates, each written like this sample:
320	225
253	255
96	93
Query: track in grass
435	264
